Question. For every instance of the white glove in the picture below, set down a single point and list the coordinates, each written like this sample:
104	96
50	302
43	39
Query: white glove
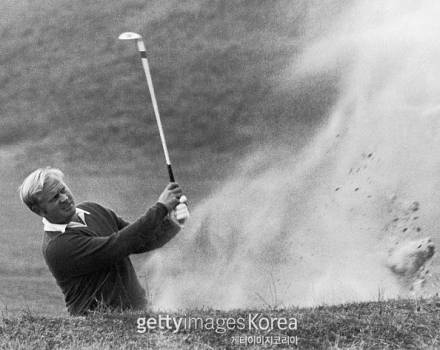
181	212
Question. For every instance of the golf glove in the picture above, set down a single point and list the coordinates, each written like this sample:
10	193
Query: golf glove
181	211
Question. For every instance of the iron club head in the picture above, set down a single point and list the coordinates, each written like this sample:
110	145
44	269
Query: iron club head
129	36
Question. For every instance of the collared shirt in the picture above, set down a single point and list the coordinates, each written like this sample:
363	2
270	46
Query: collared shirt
49	226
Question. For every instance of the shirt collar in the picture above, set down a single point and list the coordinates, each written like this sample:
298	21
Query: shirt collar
48	226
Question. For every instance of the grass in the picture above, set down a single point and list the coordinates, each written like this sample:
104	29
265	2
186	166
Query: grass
393	324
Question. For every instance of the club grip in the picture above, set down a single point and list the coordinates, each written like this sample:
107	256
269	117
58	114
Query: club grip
170	173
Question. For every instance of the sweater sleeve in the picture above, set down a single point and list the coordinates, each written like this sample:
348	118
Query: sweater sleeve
168	229
75	254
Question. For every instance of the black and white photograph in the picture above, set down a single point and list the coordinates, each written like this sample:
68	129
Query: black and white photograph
219	174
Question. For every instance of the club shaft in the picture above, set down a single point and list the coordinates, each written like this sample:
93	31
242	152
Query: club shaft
141	48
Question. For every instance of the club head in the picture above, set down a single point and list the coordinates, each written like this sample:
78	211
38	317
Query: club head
129	36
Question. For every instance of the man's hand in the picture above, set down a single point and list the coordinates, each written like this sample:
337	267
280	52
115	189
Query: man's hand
170	196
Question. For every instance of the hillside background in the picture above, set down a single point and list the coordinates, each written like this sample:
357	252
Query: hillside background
74	97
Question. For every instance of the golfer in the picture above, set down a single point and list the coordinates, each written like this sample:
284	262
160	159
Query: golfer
87	247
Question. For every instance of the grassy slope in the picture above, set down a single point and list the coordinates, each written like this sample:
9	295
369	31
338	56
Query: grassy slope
75	93
380	325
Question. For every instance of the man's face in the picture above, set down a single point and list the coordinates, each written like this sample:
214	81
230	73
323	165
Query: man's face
56	202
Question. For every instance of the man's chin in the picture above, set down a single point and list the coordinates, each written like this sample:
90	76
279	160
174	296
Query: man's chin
71	209
70	212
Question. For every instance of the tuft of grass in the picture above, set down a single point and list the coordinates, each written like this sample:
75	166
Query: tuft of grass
392	324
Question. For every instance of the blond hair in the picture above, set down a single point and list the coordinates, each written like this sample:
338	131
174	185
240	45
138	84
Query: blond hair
33	185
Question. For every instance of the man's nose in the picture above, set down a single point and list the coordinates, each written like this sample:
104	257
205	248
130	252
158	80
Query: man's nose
63	197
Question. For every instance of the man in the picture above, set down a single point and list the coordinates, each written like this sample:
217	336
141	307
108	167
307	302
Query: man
87	247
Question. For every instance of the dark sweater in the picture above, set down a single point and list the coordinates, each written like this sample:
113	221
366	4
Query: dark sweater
91	264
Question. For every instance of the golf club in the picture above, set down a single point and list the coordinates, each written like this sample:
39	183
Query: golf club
141	47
